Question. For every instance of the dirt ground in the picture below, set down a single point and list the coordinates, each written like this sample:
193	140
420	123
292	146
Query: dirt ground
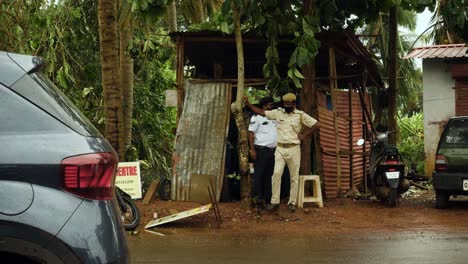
415	212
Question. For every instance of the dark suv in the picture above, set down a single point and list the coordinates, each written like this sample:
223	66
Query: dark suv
451	164
57	175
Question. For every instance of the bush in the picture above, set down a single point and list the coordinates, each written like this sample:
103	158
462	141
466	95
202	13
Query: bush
411	140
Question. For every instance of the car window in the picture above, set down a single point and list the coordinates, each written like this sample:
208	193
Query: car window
19	116
456	132
42	92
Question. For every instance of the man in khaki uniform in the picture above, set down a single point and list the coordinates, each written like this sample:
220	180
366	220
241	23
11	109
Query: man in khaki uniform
293	126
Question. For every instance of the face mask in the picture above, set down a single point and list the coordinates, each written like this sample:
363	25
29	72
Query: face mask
288	109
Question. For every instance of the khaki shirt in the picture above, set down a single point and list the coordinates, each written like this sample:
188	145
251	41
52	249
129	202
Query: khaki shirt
290	125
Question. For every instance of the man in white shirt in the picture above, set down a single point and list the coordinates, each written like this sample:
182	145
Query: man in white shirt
293	126
262	143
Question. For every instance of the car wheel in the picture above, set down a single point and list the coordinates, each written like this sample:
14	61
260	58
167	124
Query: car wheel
442	198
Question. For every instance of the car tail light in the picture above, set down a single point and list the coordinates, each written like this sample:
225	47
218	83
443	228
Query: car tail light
441	163
90	176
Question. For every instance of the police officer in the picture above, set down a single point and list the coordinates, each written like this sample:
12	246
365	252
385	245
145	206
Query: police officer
293	126
262	143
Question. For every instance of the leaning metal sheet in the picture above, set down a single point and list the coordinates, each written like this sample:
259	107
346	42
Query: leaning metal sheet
200	145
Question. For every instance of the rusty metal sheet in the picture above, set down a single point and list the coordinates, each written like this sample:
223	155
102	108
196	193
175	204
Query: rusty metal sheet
439	51
200	145
328	143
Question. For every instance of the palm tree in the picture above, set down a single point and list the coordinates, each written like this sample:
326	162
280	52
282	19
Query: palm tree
197	11
109	53
408	76
126	23
172	16
442	24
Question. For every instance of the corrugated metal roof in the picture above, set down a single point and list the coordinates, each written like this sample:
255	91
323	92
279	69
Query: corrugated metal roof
439	51
200	146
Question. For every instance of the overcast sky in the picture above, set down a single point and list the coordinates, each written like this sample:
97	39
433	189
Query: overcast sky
422	23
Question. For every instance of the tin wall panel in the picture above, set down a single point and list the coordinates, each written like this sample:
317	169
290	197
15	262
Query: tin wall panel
328	144
200	145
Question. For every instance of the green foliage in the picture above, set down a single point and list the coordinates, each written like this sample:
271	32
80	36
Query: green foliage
153	123
411	143
455	17
273	18
66	34
150	10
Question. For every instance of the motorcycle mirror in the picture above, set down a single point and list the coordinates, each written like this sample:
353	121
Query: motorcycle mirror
360	142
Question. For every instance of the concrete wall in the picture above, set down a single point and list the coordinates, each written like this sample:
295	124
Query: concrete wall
438	104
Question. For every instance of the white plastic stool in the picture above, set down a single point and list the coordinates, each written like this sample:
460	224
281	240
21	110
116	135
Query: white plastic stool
316	189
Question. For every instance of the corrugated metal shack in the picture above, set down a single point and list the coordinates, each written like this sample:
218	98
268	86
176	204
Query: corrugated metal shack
344	69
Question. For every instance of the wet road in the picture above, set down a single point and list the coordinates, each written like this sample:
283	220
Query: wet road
410	247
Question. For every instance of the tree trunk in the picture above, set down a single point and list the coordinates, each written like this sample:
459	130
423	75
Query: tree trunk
199	14
238	114
109	53
172	16
392	75
309	106
126	85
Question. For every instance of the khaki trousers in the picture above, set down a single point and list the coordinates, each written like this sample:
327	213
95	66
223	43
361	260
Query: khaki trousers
292	157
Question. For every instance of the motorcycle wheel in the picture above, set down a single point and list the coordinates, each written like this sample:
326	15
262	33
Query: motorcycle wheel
131	216
393	197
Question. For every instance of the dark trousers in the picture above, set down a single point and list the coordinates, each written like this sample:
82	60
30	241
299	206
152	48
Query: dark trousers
263	170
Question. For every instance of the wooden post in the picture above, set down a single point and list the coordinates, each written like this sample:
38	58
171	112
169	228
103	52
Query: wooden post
392	75
180	77
333	90
365	132
350	114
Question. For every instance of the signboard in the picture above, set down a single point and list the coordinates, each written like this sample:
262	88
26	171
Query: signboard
174	217
171	98
128	178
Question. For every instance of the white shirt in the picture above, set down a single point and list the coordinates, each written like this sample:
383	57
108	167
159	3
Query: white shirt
264	130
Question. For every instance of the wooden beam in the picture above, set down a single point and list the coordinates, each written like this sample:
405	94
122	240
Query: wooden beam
180	76
340	77
233	81
333	89
231	39
151	191
350	134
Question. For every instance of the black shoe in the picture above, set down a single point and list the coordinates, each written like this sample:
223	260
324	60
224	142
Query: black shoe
258	205
292	208
272	207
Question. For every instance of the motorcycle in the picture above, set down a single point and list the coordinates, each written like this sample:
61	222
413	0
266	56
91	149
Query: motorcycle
386	170
128	210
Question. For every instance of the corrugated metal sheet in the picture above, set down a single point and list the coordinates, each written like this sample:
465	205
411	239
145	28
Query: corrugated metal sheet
328	143
200	145
439	51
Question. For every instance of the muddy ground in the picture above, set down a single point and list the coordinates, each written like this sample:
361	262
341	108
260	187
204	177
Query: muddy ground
416	211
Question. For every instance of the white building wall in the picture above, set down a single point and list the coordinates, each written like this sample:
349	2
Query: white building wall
438	105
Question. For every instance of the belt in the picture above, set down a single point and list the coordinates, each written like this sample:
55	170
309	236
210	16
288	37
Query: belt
263	147
287	145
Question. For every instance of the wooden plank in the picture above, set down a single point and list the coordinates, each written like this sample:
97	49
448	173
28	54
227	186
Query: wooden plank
350	134
333	89
151	191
